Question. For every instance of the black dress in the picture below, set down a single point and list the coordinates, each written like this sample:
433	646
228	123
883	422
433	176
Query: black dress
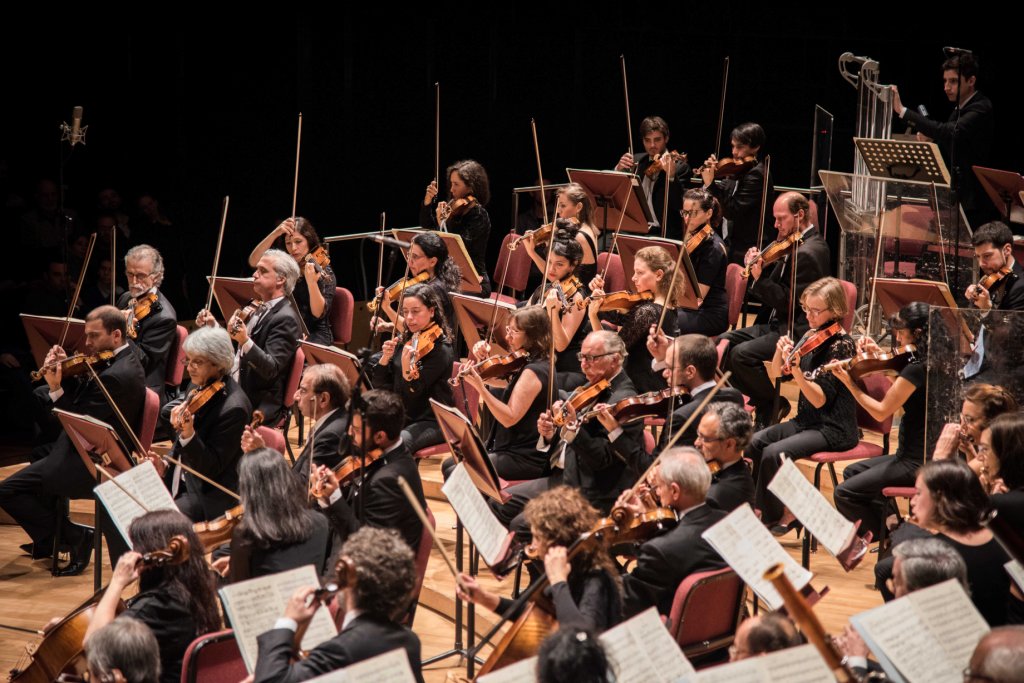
586	271
635	326
474	226
250	561
710	262
567	365
514	449
592	601
171	620
319	328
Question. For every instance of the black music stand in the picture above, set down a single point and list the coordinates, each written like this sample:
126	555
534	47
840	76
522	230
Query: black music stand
1005	189
44	332
332	355
630	244
610	191
456	249
474	317
894	294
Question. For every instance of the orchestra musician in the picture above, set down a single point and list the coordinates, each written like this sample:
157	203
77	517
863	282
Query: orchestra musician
417	364
377	585
209	431
740	195
1004	465
751	346
710	261
982	403
652	272
586	589
268	338
722	435
428	254
314	299
30	496
573	209
156	325
124	648
469	192
562	300
655	133
826	418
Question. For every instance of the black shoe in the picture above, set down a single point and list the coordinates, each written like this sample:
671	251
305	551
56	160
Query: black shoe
783	529
38	551
81	554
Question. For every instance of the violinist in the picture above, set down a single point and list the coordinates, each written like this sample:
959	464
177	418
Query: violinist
859	497
516	407
826	417
57	470
740	194
573	210
562	297
702	215
652	272
585	589
315	295
655	133
982	403
417	364
376	433
208	420
154	319
751	346
267	338
428	254
123	650
680	482
373	595
722	435
178	602
470	192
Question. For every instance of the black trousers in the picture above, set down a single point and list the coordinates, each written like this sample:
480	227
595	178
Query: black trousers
509	466
748	349
419	435
710	323
766	450
860	494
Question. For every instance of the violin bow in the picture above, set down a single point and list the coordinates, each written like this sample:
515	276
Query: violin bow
78	290
415	504
760	233
113	265
295	201
721	109
625	93
216	255
437	135
113	478
547	265
380	277
401	294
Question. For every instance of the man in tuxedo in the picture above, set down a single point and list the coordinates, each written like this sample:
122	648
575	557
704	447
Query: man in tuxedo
57	470
376	574
157	330
268	339
751	346
681	482
722	435
655	134
374	499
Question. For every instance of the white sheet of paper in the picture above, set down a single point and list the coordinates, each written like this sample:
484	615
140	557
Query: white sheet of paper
484	528
254	605
145	484
800	664
643	650
1016	572
751	550
523	671
390	667
926	636
806	502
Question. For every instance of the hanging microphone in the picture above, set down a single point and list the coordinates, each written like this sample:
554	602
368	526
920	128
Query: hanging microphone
923	110
950	51
75	133
391	242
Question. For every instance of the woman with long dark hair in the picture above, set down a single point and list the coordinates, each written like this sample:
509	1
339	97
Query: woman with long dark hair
702	214
428	254
573	211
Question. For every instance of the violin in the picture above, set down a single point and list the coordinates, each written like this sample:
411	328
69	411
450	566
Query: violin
581	398
655	168
245	315
621	302
775	251
395	290
143	307
199	397
865	364
454	208
811	340
74	365
565	290
730	166
217	532
422	343
320	260
696	239
996	279
495	367
651	404
349	469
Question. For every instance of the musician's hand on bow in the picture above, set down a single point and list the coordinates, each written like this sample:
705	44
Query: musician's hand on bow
251	440
481	350
285	228
467	588
707	171
323	482
205	319
556	564
545	425
431	192
867	345
387	351
657	344
552	301
158	462
222	565
596	282
626	162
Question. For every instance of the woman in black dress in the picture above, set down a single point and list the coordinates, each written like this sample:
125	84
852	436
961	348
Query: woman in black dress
702	215
428	254
575	210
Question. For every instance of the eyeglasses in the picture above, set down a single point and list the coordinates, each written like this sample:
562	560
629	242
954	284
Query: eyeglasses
815	311
195	362
581	357
686	213
707	439
971	420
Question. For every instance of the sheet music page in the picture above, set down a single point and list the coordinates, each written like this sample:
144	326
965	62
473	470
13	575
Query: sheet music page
254	605
750	549
145	484
800	664
1016	572
806	502
390	667
484	528
523	671
927	636
643	650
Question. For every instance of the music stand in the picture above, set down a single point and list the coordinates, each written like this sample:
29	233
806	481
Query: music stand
232	294
894	294
629	245
44	332
903	160
332	355
474	317
456	249
610	190
1005	189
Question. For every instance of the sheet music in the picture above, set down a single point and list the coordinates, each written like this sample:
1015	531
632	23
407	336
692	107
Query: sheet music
484	528
1016	572
800	664
750	549
927	636
643	650
254	605
390	667
806	502
523	671
145	484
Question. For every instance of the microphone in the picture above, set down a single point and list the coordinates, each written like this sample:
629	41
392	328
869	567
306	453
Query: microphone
923	110
391	242
950	51
75	133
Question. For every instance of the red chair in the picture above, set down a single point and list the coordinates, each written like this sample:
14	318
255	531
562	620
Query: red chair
342	309
850	290
274	438
290	387
891	493
706	611
735	286
213	658
150	413
472	397
615	279
648	442
518	273
176	359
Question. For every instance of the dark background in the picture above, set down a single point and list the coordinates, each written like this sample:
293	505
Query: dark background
192	107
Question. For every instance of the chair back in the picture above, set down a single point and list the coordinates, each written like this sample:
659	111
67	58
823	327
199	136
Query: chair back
518	266
176	359
150	414
274	438
342	309
615	279
294	377
706	611
850	290
735	285
213	658
876	386
422	559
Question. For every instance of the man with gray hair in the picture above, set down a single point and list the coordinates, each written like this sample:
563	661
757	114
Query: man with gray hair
681	482
999	657
126	646
268	339
150	315
722	434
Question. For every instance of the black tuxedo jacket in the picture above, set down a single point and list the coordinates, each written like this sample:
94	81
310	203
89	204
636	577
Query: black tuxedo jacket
325	446
156	333
365	637
675	193
731	487
740	198
813	262
683	413
263	371
664	561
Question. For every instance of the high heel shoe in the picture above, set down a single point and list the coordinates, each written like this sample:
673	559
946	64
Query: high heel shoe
783	529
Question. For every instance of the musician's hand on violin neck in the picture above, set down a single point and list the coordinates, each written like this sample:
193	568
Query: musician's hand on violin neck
222	565
980	297
251	440
126	571
707	171
605	417
556	564
630	501
323	482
